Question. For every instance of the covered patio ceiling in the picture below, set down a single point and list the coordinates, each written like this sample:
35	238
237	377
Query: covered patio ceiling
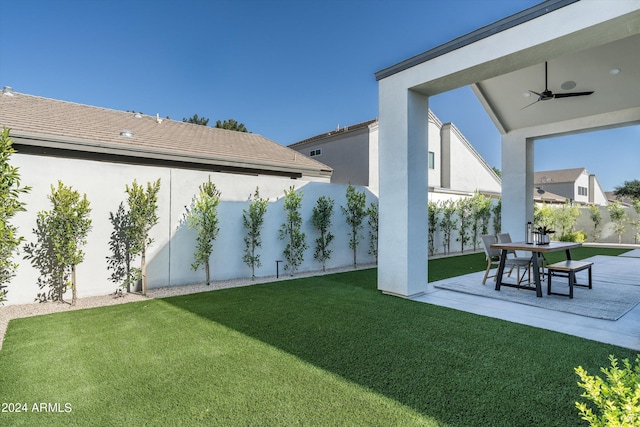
610	70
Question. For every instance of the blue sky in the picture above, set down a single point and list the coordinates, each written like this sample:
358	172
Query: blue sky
287	69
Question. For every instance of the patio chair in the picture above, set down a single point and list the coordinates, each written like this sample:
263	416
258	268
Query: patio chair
493	259
542	261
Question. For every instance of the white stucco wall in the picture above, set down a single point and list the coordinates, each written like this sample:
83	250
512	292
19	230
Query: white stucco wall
346	153
374	179
582	181
608	234
596	193
169	258
468	170
435	146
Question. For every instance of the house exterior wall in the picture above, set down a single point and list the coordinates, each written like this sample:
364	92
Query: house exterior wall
466	169
565	189
435	146
596	193
353	155
347	153
374	181
170	256
583	182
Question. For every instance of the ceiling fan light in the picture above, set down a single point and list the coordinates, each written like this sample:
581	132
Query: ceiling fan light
615	71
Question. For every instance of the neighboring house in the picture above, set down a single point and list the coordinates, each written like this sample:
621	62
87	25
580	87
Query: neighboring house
543	196
625	201
98	152
455	167
577	185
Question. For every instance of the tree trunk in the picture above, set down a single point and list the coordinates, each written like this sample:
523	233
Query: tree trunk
73	285
143	269
206	267
128	276
253	259
355	247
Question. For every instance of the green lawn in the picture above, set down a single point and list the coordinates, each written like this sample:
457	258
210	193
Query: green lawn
328	350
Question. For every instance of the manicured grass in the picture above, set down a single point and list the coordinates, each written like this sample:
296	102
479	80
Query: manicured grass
329	350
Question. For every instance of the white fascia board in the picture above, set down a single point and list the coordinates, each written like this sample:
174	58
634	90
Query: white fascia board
521	46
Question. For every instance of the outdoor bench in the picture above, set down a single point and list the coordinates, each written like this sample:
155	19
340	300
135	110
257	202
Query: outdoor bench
567	269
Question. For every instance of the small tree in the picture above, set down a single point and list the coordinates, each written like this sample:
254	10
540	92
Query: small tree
123	250
463	209
596	217
619	217
434	212
62	232
202	216
566	218
10	190
372	213
497	217
447	223
321	220
480	215
53	275
291	230
253	220
636	222
354	214
143	206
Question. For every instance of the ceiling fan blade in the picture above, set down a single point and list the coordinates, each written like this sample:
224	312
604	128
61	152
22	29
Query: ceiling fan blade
547	95
570	94
529	105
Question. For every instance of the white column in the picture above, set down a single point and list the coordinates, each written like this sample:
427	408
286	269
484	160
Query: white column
403	158
517	184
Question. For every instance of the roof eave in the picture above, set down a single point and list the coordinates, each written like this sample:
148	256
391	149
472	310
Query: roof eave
89	146
479	34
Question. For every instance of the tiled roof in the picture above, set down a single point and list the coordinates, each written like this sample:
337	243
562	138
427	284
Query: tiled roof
557	176
53	123
342	130
548	196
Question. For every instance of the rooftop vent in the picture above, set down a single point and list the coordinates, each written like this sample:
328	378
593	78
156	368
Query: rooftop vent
7	90
126	133
158	119
138	115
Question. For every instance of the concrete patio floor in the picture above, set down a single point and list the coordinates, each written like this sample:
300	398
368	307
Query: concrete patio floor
624	332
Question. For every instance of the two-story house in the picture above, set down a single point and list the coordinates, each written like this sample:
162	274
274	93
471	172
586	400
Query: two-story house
455	167
577	185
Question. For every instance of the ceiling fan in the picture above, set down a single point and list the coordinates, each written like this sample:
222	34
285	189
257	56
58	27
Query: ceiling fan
546	95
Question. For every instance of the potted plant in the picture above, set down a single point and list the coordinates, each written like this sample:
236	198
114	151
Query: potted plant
541	235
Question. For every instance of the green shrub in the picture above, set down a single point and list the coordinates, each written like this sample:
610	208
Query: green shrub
617	397
576	236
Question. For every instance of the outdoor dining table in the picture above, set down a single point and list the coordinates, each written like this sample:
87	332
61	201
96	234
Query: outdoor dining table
536	249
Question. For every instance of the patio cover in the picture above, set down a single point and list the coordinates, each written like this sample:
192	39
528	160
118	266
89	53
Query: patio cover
583	42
